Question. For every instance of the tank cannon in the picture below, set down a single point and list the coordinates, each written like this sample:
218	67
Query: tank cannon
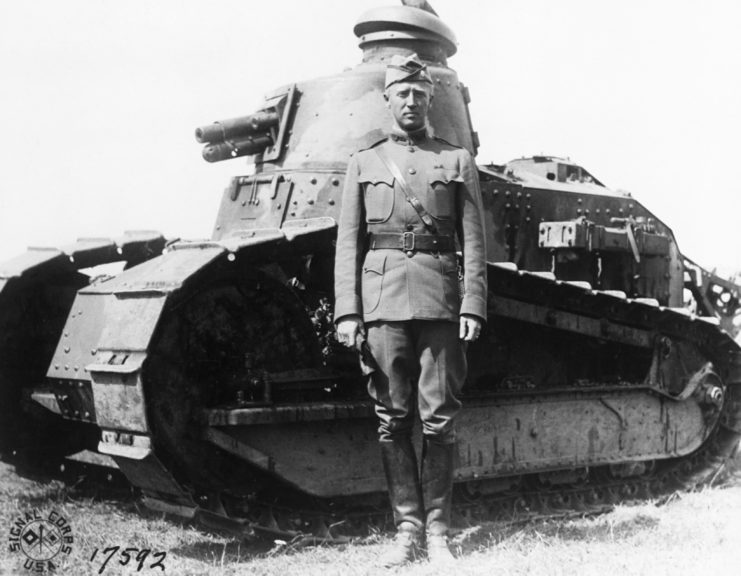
208	371
237	137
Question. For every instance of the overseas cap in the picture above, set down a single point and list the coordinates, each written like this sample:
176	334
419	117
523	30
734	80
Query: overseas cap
406	69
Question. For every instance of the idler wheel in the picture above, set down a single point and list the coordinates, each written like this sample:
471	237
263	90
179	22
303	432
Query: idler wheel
204	354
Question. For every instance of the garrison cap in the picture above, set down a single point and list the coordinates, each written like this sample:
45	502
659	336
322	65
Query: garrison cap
406	69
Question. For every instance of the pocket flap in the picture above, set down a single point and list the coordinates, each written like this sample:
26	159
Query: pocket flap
444	175
376	175
375	262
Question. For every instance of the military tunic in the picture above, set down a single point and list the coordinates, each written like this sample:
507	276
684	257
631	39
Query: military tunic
410	299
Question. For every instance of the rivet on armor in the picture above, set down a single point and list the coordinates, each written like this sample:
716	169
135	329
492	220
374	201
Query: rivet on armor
313	180
231	257
311	200
331	202
335	181
412	171
579	200
244	202
66	349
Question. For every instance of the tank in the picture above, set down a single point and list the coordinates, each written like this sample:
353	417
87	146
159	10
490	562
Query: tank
209	372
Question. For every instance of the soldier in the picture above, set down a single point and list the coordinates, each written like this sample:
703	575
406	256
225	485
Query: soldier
405	200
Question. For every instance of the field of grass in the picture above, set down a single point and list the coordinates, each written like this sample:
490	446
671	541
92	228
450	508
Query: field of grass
692	534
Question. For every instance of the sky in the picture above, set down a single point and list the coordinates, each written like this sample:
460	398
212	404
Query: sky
99	100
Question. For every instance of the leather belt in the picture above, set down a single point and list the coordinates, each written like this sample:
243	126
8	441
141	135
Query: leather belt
410	241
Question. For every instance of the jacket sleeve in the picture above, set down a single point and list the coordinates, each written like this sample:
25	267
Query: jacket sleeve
351	234
472	238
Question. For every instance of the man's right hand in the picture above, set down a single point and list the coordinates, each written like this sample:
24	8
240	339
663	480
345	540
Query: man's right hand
348	329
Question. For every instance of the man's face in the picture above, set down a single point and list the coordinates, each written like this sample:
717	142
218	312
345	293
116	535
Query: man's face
409	103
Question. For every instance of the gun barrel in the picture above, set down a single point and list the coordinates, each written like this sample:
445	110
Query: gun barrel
236	148
236	127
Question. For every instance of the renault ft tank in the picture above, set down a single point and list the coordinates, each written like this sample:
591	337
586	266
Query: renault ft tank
209	370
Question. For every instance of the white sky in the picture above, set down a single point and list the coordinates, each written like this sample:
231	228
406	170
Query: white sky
99	100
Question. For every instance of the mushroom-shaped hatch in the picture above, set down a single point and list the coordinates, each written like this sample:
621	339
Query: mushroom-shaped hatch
392	25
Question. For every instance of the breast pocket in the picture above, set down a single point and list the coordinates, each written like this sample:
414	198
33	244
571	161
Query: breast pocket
443	185
379	195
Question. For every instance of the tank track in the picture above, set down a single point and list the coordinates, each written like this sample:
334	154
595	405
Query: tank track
301	519
598	490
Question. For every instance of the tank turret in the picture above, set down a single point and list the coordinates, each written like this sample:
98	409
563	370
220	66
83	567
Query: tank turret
301	158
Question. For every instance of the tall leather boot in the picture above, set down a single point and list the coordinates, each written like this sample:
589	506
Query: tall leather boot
437	490
402	478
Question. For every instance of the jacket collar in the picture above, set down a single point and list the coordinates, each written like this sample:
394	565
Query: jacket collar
400	136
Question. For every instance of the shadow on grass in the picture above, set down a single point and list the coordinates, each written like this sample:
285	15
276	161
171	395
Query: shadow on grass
230	552
607	528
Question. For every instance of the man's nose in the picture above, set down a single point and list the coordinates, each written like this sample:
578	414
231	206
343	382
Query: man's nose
410	100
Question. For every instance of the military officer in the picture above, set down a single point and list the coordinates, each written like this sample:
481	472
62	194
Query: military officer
406	200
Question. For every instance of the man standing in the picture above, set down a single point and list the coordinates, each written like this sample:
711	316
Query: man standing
406	200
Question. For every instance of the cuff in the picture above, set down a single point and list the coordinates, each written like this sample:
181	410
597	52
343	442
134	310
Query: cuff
474	305
347	306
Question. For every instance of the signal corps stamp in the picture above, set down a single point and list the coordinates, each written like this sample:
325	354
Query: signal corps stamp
44	539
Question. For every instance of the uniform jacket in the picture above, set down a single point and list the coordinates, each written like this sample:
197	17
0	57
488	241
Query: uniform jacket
390	284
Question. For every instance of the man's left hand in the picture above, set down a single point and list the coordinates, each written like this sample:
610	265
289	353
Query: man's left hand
470	328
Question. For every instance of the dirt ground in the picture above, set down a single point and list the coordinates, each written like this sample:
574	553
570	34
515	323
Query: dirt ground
692	534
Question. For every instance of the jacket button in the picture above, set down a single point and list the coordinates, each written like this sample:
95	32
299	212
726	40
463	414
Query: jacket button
410	227
410	253
412	171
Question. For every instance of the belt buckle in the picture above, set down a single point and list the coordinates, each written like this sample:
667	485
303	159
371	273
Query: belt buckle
405	245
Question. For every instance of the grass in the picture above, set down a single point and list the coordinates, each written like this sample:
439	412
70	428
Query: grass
693	534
